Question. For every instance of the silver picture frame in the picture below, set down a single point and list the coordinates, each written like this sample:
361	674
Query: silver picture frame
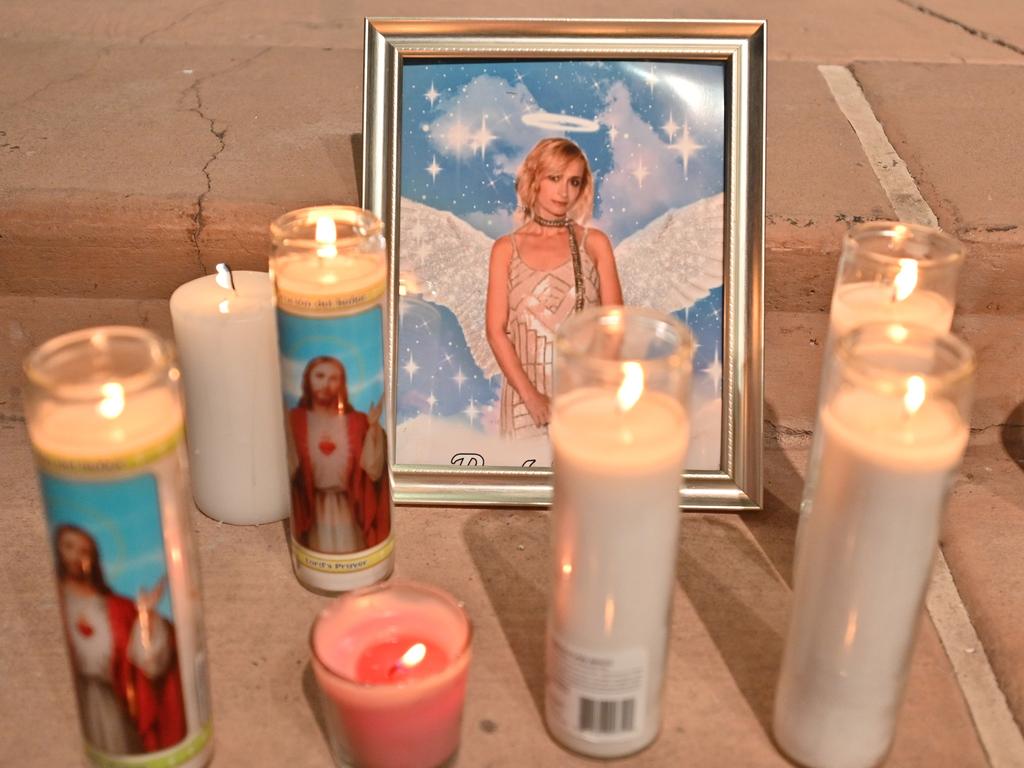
393	45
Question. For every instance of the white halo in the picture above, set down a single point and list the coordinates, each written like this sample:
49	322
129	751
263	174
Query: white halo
549	121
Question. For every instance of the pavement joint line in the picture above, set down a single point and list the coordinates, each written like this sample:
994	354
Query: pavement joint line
1000	736
889	168
986	36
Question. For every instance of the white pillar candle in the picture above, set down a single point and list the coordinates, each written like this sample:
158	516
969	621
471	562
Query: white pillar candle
227	347
617	475
865	559
106	426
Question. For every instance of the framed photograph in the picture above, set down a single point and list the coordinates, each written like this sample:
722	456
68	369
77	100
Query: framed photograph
525	169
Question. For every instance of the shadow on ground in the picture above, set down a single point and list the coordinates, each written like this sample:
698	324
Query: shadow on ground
774	527
741	600
311	692
1012	435
510	551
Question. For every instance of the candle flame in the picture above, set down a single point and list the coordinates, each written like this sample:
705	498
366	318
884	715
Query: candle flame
899	233
851	630
566	568
897	333
632	385
413	656
327	234
914	398
112	404
906	279
609	614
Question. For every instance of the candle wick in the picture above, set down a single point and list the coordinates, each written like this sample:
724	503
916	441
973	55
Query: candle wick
225	279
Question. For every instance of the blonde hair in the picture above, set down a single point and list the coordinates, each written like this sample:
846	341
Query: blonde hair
553	155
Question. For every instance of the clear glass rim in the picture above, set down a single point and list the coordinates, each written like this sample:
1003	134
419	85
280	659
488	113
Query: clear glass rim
386	586
952	250
882	378
678	356
160	351
354	225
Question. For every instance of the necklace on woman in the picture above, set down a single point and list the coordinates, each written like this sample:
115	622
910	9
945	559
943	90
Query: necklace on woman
574	249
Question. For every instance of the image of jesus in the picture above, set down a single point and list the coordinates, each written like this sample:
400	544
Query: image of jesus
338	465
123	654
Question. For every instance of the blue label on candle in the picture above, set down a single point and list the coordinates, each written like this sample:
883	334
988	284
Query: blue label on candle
115	598
332	376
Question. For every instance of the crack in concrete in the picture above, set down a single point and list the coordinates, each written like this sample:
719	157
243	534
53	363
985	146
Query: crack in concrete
199	216
986	36
178	21
1003	425
788	431
55	83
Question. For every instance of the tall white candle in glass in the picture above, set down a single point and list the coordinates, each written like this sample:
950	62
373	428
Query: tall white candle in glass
619	432
888	272
894	425
330	275
105	420
227	345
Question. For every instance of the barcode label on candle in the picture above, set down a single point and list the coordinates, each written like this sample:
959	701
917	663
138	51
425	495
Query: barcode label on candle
607	716
598	695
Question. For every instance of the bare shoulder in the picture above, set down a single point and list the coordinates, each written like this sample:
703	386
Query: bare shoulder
502	249
598	245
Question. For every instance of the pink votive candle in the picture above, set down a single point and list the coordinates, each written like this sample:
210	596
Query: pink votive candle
391	662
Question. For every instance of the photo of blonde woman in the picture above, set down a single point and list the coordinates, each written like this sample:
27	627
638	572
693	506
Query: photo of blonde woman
529	191
551	266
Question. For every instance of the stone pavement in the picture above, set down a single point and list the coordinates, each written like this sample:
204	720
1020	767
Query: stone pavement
142	143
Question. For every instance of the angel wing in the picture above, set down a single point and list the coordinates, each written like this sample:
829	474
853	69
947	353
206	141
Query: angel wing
447	259
676	260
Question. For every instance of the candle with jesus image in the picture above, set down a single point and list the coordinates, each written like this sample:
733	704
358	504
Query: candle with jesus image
894	427
106	426
329	279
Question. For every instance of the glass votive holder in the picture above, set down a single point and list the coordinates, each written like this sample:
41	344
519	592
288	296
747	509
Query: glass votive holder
894	424
888	272
106	423
896	272
619	432
330	276
391	662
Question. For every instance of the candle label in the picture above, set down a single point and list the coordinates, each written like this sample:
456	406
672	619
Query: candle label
332	376
599	696
138	665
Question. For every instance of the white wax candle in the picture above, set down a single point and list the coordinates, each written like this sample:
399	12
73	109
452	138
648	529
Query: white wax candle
617	477
227	346
329	282
858	303
864	565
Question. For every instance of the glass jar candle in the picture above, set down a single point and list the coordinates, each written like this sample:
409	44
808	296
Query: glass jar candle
330	276
105	421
